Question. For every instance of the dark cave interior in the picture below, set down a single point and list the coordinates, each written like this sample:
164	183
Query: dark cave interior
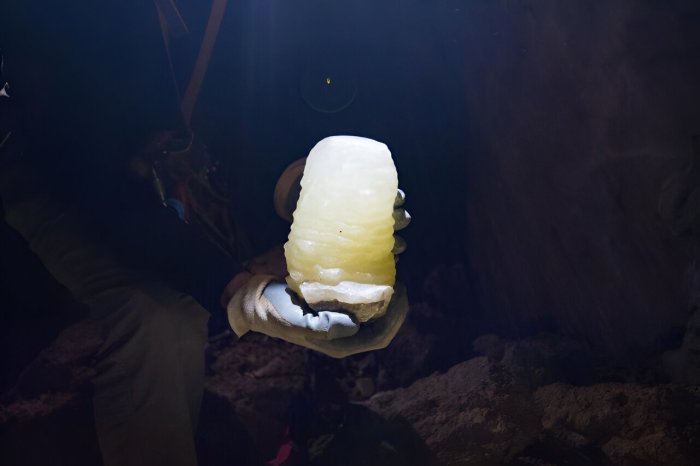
550	152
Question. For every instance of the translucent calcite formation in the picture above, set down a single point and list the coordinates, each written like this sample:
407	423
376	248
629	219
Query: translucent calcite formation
339	253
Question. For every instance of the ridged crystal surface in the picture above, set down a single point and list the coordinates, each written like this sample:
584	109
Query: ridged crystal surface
343	225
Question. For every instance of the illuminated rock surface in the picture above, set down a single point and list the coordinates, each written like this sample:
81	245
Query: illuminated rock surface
339	249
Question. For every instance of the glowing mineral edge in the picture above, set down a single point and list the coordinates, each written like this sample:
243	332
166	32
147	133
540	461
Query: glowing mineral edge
339	250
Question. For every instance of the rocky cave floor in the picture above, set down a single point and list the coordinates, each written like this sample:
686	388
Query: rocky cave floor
531	401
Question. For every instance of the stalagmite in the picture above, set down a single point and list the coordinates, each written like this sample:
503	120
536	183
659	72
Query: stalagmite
339	253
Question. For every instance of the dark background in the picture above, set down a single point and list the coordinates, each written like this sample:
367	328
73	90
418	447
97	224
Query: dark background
533	139
551	287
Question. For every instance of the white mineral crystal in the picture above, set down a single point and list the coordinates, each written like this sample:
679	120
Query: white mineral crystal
339	253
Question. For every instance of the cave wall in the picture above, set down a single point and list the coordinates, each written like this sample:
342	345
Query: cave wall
580	111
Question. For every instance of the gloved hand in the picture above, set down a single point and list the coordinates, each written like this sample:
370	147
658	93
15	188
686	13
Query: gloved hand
266	306
401	220
373	335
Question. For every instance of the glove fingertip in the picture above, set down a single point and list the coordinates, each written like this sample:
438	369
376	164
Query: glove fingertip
400	198
400	245
401	218
342	331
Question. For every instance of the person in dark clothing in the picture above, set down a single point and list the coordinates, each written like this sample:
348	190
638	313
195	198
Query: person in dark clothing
148	279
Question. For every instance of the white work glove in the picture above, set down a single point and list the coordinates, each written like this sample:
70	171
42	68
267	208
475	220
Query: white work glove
373	335
401	221
264	305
